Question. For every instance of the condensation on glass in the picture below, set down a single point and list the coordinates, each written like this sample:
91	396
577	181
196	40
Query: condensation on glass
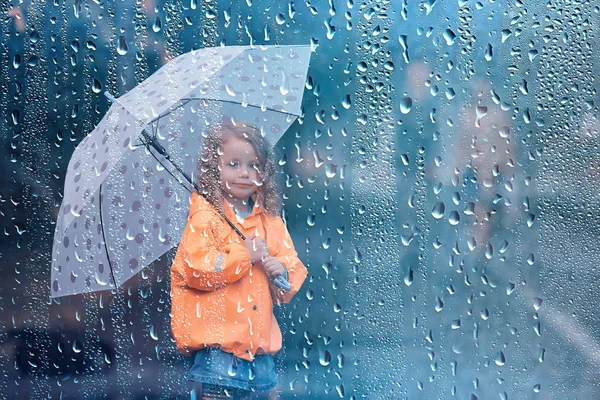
439	186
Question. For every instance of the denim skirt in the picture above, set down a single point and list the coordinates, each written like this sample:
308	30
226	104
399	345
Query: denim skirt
216	367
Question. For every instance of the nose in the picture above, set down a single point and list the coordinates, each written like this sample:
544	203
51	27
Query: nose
244	173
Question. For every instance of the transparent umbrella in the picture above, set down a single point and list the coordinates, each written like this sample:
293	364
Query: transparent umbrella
128	182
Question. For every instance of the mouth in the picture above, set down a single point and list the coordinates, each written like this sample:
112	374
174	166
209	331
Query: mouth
243	185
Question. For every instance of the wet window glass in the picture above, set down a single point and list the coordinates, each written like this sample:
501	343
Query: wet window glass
423	227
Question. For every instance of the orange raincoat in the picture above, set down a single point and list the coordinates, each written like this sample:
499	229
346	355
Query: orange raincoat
218	298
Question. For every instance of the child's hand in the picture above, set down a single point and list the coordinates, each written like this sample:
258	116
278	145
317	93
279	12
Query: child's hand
257	248
273	267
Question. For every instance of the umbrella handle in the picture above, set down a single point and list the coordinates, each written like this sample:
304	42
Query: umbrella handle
282	283
110	97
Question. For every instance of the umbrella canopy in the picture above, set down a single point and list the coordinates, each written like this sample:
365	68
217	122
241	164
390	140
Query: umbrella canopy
124	204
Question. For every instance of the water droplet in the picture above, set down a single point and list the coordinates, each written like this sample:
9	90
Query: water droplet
357	256
537	303
411	200
523	87
470	208
449	37
283	160
537	328
317	157
153	333
527	116
330	170
96	85
14	115
472	243
406	105
454	218
327	268
330	29
122	47
347	102
33	61
530	220
541	354
485	314
439	304
456	198
530	259
16	61
407	238
324	358
77	346
230	91
429	336
157	25
480	112
429	4
404	159
232	370
532	54
438	210
500	359
34	36
511	288
489	251
267	33
408	279
489	52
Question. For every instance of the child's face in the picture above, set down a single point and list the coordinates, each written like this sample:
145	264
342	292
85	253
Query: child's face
238	168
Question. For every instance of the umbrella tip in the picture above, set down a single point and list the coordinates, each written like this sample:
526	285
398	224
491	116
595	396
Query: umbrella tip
110	97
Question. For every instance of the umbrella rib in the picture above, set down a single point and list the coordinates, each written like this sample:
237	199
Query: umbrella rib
237	102
186	100
112	275
172	108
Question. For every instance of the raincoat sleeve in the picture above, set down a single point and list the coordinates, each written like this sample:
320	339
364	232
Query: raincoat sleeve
208	265
288	257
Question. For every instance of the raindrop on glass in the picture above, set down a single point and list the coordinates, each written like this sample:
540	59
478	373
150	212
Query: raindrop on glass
122	47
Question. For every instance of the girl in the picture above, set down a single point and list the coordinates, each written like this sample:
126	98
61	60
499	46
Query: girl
222	287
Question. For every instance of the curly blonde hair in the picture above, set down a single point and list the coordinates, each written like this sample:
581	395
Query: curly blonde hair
207	173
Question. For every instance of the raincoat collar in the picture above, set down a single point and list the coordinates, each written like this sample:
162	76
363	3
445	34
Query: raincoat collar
257	209
199	202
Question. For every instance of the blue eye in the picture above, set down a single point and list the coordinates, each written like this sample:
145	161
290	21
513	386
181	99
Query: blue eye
234	163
